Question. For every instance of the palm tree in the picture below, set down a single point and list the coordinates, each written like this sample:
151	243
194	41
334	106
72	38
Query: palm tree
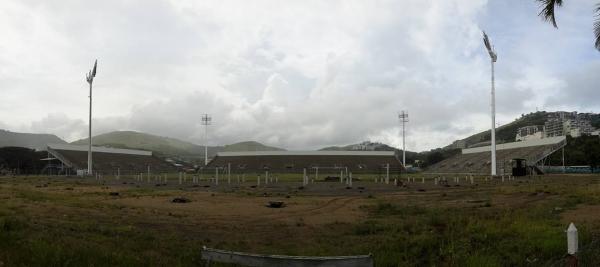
547	13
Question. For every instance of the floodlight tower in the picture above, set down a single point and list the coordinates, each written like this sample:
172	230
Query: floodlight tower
403	116
493	58
206	120
90	79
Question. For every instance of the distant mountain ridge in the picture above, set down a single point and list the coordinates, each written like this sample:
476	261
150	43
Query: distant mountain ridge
167	146
29	140
249	146
144	141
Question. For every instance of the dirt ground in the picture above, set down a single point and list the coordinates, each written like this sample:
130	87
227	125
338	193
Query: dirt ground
237	216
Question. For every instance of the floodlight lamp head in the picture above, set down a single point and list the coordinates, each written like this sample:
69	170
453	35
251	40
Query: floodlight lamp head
490	48
206	119
95	67
88	77
403	116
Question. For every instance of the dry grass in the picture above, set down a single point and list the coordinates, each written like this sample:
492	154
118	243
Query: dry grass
46	221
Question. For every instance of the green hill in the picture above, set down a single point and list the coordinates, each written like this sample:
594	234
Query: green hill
28	140
137	140
167	146
506	133
249	146
410	155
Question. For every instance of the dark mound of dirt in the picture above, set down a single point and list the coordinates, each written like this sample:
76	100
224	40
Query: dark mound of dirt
181	200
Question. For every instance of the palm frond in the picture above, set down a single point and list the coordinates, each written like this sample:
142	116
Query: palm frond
597	27
547	12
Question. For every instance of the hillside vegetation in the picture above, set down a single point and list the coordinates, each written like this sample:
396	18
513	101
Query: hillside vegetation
506	133
144	141
167	146
28	140
249	146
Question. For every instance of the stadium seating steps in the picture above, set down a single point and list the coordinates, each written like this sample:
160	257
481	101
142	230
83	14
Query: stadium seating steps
480	162
296	164
111	163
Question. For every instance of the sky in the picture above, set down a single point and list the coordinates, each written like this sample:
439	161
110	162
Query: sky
295	74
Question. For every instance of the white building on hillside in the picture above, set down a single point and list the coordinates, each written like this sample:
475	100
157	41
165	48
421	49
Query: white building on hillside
530	133
568	123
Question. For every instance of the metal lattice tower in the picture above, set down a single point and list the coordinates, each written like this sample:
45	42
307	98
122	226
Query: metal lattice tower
403	116
206	121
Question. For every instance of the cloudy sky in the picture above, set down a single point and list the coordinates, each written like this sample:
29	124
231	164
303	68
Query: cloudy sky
295	74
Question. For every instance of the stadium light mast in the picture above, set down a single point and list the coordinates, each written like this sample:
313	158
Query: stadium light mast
90	79
493	58
206	120
403	116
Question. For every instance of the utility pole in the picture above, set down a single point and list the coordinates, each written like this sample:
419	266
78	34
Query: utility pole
90	79
403	116
493	58
206	120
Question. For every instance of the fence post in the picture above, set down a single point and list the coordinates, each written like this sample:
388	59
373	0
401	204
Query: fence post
572	246
304	177
387	174
572	240
350	177
266	177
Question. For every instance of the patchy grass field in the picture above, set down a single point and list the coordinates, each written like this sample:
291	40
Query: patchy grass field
58	221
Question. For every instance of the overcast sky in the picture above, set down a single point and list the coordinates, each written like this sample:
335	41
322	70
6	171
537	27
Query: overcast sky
294	74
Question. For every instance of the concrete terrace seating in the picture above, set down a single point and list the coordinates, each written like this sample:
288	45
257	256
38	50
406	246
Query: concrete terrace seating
295	162
111	161
479	162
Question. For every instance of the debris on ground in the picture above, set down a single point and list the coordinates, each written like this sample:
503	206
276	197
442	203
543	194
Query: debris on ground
181	200
115	194
276	204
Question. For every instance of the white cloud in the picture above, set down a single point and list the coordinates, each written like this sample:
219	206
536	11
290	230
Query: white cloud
297	74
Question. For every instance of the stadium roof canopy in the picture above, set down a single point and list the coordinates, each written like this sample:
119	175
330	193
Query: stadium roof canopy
527	143
100	149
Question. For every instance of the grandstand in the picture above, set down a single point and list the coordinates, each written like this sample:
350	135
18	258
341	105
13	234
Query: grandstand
297	161
68	159
477	160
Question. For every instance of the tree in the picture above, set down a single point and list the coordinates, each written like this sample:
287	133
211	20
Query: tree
592	152
548	14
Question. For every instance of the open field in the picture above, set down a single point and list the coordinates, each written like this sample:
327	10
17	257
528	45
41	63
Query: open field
59	221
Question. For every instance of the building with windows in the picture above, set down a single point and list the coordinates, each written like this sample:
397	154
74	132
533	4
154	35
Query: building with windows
530	132
568	123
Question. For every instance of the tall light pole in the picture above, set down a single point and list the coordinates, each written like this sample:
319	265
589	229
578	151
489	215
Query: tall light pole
403	116
90	79
206	120
493	57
